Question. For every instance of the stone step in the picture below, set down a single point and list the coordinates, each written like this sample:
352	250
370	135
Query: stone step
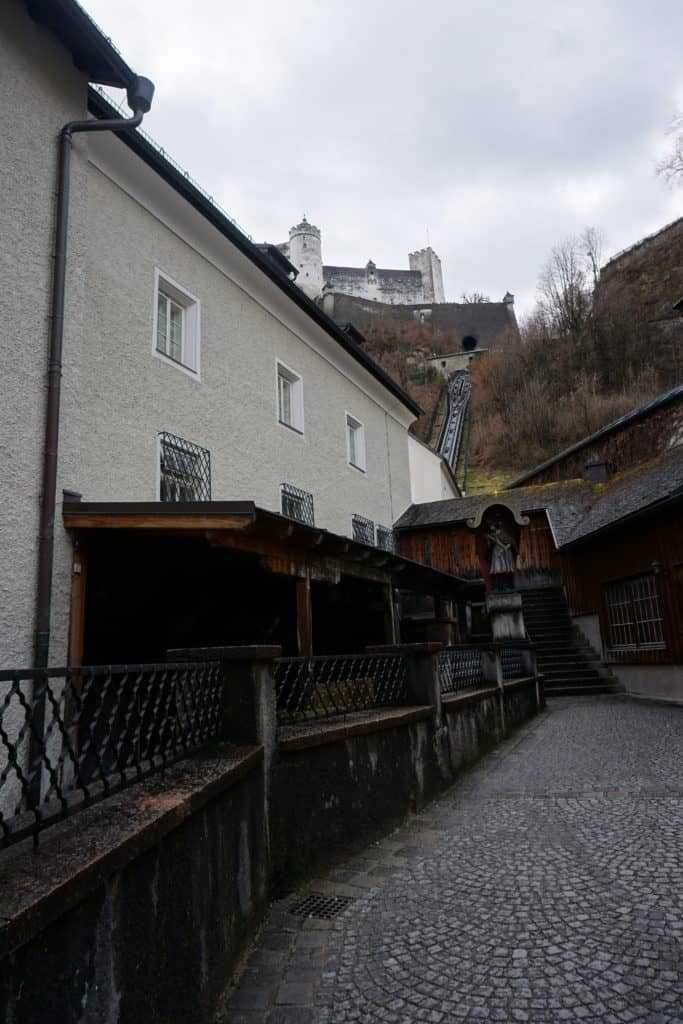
577	678
579	691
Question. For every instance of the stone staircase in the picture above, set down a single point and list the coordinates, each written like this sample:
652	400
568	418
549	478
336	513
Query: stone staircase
565	658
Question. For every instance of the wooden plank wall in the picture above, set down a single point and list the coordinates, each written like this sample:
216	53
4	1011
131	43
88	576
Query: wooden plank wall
453	548
632	551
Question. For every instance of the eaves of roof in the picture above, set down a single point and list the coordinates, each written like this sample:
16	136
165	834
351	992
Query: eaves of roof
92	52
147	152
629	417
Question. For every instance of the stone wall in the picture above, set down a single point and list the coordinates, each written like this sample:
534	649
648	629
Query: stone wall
343	788
139	907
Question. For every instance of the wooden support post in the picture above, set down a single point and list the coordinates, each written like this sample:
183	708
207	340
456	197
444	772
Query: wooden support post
79	568
304	618
390	617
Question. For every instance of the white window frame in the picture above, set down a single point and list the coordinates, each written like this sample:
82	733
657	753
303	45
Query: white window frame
190	344
296	397
353	425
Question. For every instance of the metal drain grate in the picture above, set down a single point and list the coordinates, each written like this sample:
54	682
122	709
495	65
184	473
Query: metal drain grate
325	907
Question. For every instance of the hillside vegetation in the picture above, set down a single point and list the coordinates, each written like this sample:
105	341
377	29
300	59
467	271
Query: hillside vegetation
589	352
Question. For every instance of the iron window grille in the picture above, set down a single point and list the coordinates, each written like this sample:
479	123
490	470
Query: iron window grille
386	539
184	470
363	529
634	618
297	504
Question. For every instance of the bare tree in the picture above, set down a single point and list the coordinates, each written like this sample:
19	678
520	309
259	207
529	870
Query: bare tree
473	298
592	242
670	167
563	289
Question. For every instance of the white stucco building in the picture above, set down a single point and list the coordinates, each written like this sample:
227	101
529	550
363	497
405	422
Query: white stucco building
193	370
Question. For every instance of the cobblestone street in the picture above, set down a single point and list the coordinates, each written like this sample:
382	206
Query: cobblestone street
547	885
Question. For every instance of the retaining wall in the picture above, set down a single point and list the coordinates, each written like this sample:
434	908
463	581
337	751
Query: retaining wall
139	907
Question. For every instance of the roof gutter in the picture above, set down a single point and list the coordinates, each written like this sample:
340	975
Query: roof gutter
140	94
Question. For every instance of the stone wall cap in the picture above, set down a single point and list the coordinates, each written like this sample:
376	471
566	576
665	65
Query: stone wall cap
431	647
247	652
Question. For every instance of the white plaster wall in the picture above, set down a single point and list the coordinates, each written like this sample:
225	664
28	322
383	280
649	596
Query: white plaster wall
119	395
395	287
40	90
664	682
590	627
429	479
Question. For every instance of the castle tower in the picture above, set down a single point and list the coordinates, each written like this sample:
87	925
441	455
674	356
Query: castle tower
305	252
429	265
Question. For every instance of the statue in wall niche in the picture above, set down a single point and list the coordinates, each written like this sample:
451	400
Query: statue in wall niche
502	555
497	549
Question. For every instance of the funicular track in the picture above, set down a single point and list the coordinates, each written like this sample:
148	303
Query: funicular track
457	401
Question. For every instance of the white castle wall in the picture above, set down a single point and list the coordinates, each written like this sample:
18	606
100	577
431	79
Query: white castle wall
429	266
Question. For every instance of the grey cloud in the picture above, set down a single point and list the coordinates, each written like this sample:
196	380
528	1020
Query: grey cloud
501	128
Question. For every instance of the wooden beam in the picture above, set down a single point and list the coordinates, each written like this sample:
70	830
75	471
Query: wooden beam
150	521
304	619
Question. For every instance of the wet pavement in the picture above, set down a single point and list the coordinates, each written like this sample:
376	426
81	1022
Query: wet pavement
547	885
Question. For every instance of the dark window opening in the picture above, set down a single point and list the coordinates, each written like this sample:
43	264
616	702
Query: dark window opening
469	342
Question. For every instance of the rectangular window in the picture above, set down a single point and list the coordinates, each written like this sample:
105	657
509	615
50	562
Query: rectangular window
176	324
184	470
290	398
363	529
355	442
297	504
634	620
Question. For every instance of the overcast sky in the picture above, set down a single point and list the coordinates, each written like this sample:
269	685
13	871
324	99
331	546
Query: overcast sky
498	128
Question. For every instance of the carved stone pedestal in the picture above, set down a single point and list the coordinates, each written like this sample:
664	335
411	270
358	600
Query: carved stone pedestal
505	612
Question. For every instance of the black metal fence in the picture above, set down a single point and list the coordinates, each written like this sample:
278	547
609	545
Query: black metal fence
321	687
512	659
71	736
460	668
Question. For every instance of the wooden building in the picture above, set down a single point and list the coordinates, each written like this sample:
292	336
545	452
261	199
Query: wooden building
152	575
612	541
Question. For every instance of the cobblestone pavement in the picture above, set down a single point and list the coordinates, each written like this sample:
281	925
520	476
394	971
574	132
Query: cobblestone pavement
546	886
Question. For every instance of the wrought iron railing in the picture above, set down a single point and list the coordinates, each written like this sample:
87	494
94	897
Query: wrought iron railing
70	736
297	504
321	687
512	659
460	668
386	539
363	529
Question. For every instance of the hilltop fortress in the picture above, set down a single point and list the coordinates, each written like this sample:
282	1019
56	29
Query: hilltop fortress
423	282
360	295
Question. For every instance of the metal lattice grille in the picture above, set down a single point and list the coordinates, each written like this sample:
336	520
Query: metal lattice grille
363	529
184	470
512	661
297	504
70	736
323	907
634	619
386	539
325	686
460	668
